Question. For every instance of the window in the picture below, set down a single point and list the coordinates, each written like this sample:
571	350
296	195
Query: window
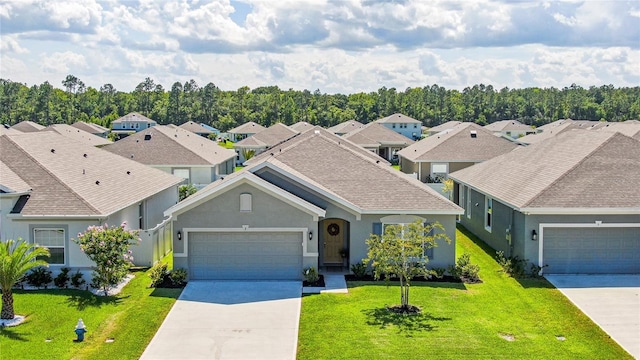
415	126
468	209
183	173
141	216
245	203
380	228
54	240
393	126
488	213
439	171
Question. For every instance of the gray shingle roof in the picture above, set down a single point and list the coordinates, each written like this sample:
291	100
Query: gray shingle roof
10	182
90	127
329	163
627	128
170	146
195	128
271	136
557	127
301	126
458	145
575	169
444	126
247	128
134	116
27	126
76	134
375	134
71	178
398	118
508	125
345	127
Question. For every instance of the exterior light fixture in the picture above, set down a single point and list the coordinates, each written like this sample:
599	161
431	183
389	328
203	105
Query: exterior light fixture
179	235
310	235
534	235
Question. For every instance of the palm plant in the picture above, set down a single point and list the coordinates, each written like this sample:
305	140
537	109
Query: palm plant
16	258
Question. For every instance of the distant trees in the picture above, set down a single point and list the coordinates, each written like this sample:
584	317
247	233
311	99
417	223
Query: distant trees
267	105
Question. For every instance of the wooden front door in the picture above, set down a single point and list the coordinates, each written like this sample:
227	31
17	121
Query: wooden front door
333	235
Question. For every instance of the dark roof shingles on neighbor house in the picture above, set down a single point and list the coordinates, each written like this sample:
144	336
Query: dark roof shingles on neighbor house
161	145
458	145
71	178
575	169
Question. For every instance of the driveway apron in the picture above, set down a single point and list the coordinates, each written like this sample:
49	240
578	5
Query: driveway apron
611	301
231	320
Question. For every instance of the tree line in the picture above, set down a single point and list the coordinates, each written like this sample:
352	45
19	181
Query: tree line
224	109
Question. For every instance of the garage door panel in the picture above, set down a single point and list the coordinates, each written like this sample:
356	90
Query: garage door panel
592	250
244	255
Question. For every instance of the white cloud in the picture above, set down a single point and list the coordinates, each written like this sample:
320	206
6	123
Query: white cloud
63	62
9	44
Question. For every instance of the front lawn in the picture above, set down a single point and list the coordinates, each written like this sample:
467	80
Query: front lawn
130	318
500	318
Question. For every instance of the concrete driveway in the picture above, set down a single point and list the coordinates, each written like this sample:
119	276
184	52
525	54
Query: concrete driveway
611	301
231	320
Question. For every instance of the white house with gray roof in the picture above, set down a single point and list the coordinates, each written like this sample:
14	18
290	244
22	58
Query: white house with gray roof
131	123
302	203
262	140
570	204
403	125
53	188
244	131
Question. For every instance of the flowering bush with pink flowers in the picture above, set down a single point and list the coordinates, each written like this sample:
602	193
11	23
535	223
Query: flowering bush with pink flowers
108	247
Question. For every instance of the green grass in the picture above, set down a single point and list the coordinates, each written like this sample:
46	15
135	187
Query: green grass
458	320
238	168
226	144
397	167
131	318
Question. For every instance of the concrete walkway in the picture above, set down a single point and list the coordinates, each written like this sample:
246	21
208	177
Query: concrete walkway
231	320
611	301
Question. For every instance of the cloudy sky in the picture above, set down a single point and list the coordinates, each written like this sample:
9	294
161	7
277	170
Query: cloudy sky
337	46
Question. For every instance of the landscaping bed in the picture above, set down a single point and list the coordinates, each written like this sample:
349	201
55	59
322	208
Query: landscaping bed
319	283
445	278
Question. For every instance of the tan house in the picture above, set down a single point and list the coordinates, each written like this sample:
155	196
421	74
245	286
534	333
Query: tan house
379	139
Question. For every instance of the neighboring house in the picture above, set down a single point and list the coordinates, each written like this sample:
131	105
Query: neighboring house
51	189
402	124
377	138
550	130
301	204
345	127
7	130
196	128
130	123
76	134
92	128
27	127
510	128
433	158
442	127
211	128
198	160
262	140
626	128
301	126
244	131
571	203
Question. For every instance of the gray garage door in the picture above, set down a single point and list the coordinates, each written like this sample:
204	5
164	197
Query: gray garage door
245	256
592	250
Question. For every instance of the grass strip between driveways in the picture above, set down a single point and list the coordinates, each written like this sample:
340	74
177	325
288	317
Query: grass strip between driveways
130	318
502	318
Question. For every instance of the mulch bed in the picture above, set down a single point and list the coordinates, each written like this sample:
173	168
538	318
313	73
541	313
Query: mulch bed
445	278
166	283
319	283
404	310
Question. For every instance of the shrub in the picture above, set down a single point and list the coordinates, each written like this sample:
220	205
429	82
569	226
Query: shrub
465	270
512	266
311	275
359	269
184	191
39	277
77	279
62	279
157	274
439	272
178	277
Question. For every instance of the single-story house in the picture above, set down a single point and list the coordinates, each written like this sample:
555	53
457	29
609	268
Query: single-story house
244	131
131	123
510	128
211	128
402	124
432	159
198	160
92	128
442	127
302	203
27	126
345	127
262	140
379	139
570	204
301	126
196	128
52	188
77	134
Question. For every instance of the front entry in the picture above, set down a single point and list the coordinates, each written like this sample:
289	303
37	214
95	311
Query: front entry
334	233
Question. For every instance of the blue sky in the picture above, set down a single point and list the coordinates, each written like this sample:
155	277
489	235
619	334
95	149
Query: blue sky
337	46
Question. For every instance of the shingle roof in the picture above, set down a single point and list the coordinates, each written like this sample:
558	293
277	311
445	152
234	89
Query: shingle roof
134	116
345	127
575	169
90	127
161	145
627	128
457	144
508	125
557	127
268	137
398	118
71	178
10	182
9	131
444	126
247	128
301	126
337	167
195	128
77	134
375	134
27	126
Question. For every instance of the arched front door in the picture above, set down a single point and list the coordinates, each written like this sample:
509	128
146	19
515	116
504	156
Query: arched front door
334	244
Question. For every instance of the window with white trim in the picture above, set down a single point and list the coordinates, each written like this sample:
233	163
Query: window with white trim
245	202
183	173
468	209
488	213
54	240
439	171
426	251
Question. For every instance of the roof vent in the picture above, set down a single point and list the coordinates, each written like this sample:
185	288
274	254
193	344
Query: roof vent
132	156
97	182
85	155
147	136
474	134
128	172
316	132
137	140
53	151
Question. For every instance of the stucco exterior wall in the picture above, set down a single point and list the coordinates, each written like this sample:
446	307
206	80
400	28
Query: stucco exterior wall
412	131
